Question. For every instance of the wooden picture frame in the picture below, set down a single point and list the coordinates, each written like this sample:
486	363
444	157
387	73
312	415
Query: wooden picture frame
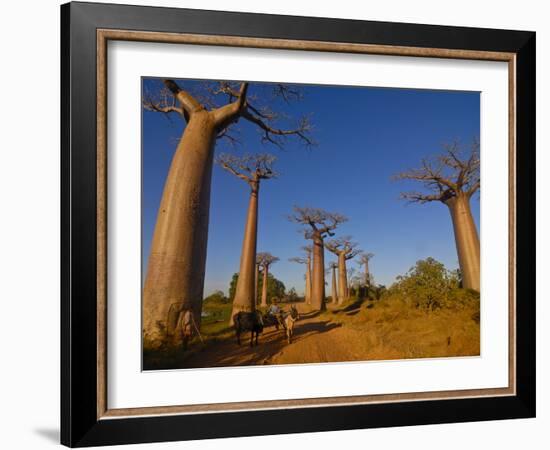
86	419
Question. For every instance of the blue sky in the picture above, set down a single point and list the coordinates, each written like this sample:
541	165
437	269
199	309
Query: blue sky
364	136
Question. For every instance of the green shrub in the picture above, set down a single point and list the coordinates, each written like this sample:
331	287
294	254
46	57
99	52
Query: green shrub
429	285
216	297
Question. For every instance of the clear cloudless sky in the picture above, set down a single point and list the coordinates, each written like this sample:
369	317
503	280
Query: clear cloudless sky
364	136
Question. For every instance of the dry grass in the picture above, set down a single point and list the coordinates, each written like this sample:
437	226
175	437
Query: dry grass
360	330
391	329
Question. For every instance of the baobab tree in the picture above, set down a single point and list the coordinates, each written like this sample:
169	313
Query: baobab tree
345	250
256	279
334	291
356	283
452	178
265	259
176	266
301	260
351	276
307	261
308	249
364	259
252	169
319	224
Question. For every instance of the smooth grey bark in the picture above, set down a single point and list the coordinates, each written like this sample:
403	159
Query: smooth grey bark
345	250
265	259
452	178
308	280
364	261
318	224
176	265
342	278
318	283
252	169
244	292
466	240
334	285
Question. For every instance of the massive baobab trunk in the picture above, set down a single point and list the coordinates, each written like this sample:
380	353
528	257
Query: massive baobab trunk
343	293
252	169
308	280
344	249
453	180
319	223
364	261
334	292
318	283
466	239
176	265
265	259
244	293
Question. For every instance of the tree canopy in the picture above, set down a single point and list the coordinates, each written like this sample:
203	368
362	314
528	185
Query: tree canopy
259	104
445	176
343	245
265	259
250	167
317	221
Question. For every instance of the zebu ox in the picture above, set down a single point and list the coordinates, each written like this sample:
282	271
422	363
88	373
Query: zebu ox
289	320
248	321
273	320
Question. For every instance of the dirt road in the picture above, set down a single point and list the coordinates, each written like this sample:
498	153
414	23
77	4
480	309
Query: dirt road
357	331
315	340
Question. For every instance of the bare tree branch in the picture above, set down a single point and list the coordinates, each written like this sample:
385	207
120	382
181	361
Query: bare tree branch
164	102
308	249
364	258
287	92
228	133
269	133
343	245
265	259
250	168
322	222
230	169
229	101
187	101
417	197
227	114
445	176
474	187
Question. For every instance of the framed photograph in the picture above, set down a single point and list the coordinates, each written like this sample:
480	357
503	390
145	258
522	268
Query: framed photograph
276	224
